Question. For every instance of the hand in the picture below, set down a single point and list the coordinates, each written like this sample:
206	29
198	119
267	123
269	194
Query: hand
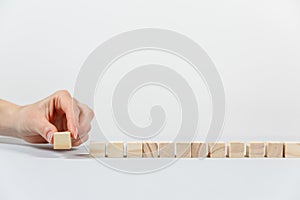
37	122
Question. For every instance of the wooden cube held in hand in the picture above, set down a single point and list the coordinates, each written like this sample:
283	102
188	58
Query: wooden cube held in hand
62	140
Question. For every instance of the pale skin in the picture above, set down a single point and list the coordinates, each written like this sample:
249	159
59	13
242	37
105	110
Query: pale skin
37	122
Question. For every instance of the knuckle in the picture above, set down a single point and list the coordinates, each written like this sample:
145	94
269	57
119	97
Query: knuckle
45	130
90	113
87	111
75	101
63	93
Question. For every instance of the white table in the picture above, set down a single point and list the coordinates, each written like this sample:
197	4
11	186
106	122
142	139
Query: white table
37	172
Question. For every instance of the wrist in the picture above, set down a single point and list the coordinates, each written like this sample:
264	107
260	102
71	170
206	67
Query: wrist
8	118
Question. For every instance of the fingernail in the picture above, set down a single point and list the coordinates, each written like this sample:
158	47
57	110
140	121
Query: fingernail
76	133
50	136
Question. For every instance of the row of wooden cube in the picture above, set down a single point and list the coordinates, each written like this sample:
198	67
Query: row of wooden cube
195	149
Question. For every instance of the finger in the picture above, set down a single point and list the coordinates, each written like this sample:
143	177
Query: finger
76	111
80	141
85	118
35	139
86	114
71	110
83	131
46	130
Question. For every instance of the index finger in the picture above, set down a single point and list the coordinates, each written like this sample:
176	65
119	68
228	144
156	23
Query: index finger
65	102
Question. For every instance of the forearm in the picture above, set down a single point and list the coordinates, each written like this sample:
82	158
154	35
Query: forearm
8	113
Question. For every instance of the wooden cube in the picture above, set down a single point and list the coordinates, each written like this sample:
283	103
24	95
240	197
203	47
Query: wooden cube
217	149
274	149
255	149
199	150
183	150
97	149
236	149
134	150
150	149
166	150
292	150
115	150
62	140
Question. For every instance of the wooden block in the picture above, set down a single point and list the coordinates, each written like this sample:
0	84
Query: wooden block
274	149
236	149
166	150
255	149
97	149
183	150
115	150
150	149
217	149
292	150
199	150
134	150
62	140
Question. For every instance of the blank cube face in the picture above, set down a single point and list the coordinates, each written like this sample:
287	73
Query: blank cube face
134	150
292	150
150	150
274	150
236	149
183	150
198	150
62	140
97	149
115	150
166	150
255	150
217	150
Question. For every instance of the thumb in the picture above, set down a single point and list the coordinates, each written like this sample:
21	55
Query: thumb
47	130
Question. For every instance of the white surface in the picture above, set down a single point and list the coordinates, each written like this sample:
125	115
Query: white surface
40	173
255	46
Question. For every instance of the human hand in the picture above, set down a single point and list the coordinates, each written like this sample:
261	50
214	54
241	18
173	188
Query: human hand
36	123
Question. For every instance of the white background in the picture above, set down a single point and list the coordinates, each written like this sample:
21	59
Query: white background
255	46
